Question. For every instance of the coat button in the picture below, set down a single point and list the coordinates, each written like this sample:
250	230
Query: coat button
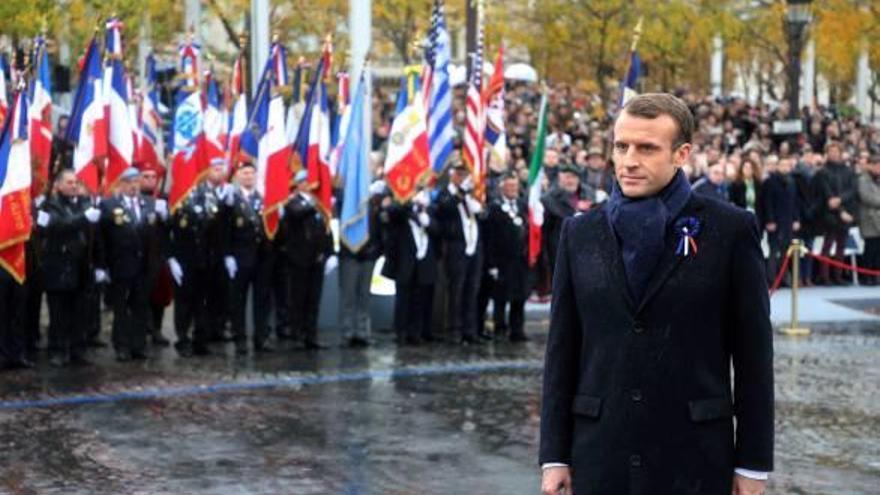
635	460
638	327
636	395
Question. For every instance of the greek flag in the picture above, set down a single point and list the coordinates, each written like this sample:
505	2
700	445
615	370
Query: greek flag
440	132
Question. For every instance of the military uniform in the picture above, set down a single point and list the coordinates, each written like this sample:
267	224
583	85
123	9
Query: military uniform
129	226
66	246
191	232
247	244
508	251
309	243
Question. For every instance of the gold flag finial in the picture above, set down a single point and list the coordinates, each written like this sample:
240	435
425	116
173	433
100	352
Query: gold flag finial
637	33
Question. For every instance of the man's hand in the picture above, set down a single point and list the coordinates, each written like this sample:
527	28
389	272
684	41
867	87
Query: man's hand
557	481
748	486
834	203
796	226
846	217
771	227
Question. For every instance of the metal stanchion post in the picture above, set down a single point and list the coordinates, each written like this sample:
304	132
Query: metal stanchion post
795	251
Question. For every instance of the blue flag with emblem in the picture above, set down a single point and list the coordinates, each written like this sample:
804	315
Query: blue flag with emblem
354	171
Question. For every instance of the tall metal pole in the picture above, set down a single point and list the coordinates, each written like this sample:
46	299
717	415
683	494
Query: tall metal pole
259	40
360	22
717	74
470	33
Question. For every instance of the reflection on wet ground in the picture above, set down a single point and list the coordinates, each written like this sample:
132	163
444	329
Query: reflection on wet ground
427	420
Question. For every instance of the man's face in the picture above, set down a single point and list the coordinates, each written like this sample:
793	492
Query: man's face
62	126
149	180
551	158
785	165
130	187
716	174
569	182
596	162
834	154
217	174
643	156
67	184
458	176
510	188
246	177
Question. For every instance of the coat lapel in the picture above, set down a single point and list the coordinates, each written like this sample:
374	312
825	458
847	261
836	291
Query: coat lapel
670	261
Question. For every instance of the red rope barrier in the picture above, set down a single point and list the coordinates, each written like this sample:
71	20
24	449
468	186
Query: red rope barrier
845	266
781	274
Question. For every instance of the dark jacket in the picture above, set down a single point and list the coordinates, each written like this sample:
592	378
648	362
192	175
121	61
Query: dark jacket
507	232
737	196
807	208
835	180
779	198
195	232
637	397
451	228
66	243
244	236
705	188
129	243
309	241
559	205
401	264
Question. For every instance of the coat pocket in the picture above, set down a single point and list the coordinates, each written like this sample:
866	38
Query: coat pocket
710	409
585	405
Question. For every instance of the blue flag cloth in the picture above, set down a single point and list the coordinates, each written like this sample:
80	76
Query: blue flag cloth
354	226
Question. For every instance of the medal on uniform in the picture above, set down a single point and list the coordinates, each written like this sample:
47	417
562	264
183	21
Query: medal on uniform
183	222
197	209
518	221
687	229
505	208
239	222
151	218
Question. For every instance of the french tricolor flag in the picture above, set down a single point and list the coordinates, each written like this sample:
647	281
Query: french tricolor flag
120	127
15	186
239	116
188	134
313	141
87	129
214	123
41	118
266	140
151	147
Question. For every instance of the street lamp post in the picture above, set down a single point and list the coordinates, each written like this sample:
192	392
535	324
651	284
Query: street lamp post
798	16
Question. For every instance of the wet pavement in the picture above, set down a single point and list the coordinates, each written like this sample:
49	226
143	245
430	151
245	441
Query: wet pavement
437	419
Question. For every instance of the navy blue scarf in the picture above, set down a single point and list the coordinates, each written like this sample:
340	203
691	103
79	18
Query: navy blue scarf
640	226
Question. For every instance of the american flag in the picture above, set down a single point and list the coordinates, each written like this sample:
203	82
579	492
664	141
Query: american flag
438	94
475	114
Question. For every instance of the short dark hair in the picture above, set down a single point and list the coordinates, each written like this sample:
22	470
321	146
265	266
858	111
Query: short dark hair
653	105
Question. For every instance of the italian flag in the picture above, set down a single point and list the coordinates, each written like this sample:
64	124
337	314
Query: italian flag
536	176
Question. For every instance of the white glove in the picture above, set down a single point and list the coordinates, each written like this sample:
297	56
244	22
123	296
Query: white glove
43	218
332	263
493	272
231	266
92	214
467	184
473	205
377	187
39	200
227	195
162	209
424	219
176	271
101	276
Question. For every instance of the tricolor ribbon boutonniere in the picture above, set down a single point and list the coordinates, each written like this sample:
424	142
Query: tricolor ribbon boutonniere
687	229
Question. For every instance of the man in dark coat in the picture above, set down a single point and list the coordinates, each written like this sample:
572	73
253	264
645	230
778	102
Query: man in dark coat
411	261
309	245
836	196
458	212
508	240
781	213
656	295
247	249
562	201
192	246
64	221
130	223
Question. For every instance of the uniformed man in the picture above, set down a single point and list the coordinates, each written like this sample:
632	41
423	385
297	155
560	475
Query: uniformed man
565	199
160	278
247	249
309	244
191	248
508	253
217	195
457	211
130	222
413	235
34	286
63	222
12	295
